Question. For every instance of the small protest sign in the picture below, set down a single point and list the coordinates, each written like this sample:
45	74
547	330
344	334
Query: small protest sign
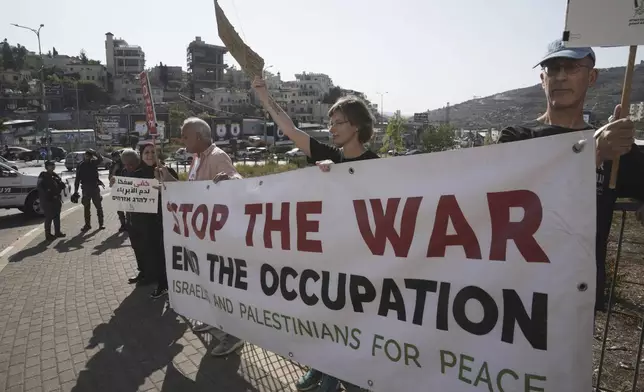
136	194
248	60
601	23
604	23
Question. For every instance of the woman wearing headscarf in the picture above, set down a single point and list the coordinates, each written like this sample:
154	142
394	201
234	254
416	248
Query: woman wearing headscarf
137	228
149	161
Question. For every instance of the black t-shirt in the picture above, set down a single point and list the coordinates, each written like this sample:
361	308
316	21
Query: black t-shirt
321	152
630	181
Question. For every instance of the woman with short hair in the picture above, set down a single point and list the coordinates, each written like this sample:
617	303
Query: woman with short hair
351	126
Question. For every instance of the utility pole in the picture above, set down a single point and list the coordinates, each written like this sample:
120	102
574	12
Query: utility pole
78	117
43	102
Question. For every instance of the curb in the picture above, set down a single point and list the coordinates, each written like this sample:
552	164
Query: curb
23	241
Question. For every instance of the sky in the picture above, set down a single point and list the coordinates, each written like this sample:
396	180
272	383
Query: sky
420	54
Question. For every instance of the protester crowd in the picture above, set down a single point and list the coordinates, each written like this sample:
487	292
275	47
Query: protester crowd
566	76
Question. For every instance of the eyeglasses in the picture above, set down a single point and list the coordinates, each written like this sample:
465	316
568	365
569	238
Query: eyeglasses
333	124
569	68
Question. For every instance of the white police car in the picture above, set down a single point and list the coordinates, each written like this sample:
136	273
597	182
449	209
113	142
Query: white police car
18	190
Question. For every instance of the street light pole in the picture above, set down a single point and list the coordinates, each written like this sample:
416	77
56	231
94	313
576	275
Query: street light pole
382	108
43	103
265	119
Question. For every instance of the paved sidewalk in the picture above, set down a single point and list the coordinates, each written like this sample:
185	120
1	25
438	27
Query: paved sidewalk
70	322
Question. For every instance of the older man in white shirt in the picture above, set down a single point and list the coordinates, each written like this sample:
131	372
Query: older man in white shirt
210	163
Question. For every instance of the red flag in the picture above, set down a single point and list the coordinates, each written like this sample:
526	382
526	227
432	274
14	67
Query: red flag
150	114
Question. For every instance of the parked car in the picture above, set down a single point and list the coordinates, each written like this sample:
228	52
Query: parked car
57	154
73	159
182	156
296	152
9	163
14	152
19	191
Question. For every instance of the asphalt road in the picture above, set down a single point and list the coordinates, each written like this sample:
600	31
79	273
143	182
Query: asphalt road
14	224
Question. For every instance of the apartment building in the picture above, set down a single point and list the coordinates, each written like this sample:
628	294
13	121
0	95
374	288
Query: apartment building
122	58
205	66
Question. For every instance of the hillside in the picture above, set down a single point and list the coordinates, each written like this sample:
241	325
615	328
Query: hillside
516	106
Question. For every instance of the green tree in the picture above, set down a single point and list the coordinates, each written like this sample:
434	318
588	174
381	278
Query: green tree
393	139
7	56
176	116
163	75
83	57
19	56
55	52
439	138
332	96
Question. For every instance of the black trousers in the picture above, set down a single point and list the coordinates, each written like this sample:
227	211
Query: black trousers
123	218
94	197
140	240
51	209
146	237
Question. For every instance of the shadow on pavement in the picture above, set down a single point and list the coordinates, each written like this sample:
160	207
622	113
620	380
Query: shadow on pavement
75	242
112	242
29	252
140	339
214	374
19	220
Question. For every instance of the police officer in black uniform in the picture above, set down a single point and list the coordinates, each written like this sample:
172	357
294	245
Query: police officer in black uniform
50	186
87	178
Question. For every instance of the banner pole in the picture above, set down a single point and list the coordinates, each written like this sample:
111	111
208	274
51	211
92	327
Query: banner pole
626	105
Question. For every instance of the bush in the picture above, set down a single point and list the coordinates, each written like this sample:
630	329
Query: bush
248	171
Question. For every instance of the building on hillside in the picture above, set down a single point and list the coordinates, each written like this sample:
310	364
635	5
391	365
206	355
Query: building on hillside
59	61
127	88
236	78
303	97
122	58
174	74
169	78
205	66
316	82
94	73
10	78
273	81
227	100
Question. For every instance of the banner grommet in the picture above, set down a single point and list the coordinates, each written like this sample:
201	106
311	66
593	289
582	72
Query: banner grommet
583	286
579	146
351	171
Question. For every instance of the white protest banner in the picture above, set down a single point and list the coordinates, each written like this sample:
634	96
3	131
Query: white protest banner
604	23
136	194
468	270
